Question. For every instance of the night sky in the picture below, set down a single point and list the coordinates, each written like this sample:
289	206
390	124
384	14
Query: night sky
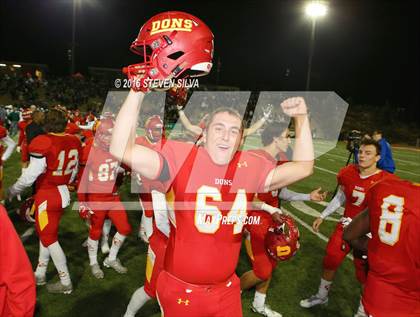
365	50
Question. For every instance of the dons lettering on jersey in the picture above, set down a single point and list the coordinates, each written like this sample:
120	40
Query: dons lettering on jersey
166	25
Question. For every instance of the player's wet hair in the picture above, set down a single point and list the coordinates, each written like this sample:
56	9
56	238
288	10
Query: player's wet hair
38	117
230	111
366	141
55	121
273	130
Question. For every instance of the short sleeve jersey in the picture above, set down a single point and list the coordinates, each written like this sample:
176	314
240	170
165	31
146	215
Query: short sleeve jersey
355	187
207	203
62	152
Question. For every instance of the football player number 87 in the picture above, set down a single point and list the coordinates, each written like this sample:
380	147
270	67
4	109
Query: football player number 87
390	224
207	218
73	156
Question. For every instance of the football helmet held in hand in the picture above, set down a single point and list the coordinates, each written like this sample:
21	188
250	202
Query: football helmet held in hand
26	211
172	44
282	239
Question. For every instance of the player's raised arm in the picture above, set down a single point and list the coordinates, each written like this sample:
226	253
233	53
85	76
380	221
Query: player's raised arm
187	123
141	159
303	155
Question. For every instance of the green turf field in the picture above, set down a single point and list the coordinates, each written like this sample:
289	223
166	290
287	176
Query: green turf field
292	281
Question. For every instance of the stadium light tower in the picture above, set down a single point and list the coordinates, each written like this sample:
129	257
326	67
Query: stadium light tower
314	10
73	37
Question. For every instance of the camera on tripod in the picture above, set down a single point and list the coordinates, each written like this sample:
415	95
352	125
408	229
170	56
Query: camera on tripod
353	141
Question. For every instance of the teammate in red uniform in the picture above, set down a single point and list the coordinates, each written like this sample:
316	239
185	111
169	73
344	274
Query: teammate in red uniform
208	183
99	199
4	153
22	142
17	283
392	287
275	146
53	164
354	181
155	223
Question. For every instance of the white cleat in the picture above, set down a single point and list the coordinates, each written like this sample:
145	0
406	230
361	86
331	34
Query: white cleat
116	265
265	311
18	197
40	279
313	301
58	288
96	271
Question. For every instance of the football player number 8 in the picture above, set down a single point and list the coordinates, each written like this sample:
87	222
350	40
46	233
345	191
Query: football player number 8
207	218
73	156
390	224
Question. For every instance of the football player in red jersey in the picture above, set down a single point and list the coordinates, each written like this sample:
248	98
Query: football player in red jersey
354	181
53	164
4	153
392	288
275	139
155	223
99	199
153	139
22	143
208	183
17	282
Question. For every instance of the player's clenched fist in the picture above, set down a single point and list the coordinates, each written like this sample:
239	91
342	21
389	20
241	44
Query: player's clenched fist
294	106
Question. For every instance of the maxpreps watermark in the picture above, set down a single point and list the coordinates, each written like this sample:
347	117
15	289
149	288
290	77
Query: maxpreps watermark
157	83
206	219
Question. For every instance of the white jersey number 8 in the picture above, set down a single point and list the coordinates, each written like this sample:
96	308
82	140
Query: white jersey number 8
391	219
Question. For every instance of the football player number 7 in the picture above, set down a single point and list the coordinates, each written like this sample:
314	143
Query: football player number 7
390	220
73	156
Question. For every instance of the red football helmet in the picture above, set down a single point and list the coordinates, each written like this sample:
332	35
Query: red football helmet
104	133
27	114
172	44
27	210
154	128
282	240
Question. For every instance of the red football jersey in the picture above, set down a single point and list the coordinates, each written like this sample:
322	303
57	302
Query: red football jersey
100	171
3	134
394	250
204	245
22	135
355	187
270	198
62	152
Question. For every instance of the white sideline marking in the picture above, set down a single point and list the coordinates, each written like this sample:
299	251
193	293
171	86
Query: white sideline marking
404	171
24	236
325	170
319	235
301	206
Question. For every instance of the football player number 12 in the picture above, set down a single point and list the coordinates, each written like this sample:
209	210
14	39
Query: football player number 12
73	156
207	218
391	220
